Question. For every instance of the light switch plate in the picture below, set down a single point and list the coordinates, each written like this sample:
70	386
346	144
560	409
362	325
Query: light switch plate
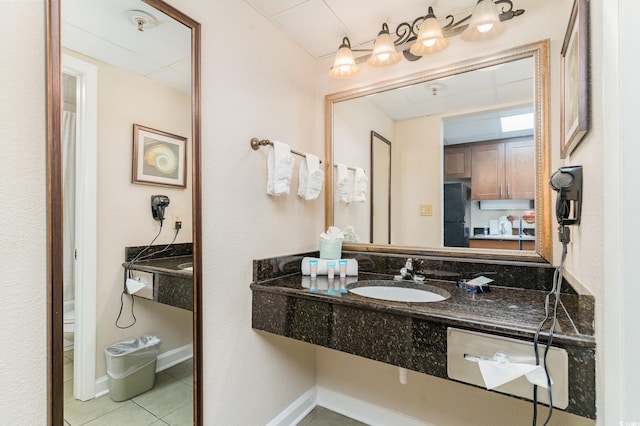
426	209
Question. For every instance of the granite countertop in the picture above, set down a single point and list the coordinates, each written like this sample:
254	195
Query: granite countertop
507	237
164	265
509	311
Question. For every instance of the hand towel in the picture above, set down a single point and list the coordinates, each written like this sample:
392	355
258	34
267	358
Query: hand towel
343	183
310	177
279	168
360	186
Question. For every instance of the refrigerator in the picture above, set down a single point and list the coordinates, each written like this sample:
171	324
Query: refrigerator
457	207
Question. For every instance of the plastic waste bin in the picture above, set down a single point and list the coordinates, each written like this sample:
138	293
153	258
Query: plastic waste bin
131	366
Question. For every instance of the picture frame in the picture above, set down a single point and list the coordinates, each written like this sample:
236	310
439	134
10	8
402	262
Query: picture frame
159	158
574	86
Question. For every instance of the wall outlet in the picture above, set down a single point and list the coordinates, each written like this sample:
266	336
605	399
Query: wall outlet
426	209
175	218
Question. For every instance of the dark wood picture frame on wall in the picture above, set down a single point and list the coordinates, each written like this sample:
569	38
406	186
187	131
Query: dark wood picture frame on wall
159	158
574	64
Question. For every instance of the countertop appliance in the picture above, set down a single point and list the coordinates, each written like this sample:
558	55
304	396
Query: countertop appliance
457	207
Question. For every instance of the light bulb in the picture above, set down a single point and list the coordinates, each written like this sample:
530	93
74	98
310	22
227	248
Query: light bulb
430	42
485	28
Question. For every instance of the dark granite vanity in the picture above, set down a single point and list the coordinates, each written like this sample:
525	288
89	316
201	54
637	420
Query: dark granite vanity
172	283
414	335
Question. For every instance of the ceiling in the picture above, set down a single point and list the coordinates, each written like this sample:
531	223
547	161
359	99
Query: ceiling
105	31
318	26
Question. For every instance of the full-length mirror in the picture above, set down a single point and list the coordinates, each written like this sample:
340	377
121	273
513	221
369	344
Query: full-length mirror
468	153
125	218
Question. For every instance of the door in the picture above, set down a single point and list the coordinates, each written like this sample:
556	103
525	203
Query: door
487	171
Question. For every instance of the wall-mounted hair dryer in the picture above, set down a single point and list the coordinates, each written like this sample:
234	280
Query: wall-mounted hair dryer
568	182
158	203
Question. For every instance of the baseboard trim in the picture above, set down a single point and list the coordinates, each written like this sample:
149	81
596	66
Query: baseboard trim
346	405
363	411
297	411
165	360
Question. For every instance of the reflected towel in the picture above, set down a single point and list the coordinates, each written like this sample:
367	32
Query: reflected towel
310	177
279	169
343	182
360	186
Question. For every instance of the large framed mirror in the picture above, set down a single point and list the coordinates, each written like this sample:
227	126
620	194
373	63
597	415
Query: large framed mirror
123	72
463	183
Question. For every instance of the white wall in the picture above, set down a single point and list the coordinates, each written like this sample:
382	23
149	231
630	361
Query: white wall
353	122
258	84
23	192
417	179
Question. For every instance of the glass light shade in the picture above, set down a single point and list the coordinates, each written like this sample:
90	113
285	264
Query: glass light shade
430	38
384	51
344	66
485	23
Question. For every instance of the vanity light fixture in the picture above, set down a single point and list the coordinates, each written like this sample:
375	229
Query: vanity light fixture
384	50
485	22
430	38
425	35
344	66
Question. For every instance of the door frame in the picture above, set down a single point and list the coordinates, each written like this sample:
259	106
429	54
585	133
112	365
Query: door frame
84	360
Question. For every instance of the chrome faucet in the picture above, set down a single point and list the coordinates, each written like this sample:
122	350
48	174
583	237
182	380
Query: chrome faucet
407	270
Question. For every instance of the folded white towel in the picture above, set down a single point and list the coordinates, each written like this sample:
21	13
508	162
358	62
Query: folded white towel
310	177
360	186
343	183
279	168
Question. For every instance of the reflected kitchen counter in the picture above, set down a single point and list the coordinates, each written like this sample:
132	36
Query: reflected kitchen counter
506	237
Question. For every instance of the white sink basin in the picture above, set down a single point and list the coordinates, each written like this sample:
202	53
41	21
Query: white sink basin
398	291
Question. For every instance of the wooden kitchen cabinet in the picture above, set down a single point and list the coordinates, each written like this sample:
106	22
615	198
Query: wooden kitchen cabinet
457	161
503	170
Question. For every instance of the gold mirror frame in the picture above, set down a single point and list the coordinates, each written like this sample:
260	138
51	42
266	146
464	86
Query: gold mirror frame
55	215
539	51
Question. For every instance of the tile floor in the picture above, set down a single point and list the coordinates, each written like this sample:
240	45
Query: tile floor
321	416
170	402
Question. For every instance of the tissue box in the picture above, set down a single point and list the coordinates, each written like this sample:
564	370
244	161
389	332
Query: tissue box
330	249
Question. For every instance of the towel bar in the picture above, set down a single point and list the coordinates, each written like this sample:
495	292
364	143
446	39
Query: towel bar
257	143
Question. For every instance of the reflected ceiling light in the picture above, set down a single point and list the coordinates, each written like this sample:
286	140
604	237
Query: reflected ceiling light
514	123
426	35
430	38
384	50
485	22
344	66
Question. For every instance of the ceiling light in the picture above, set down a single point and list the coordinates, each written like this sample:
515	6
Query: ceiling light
344	66
514	123
485	22
430	38
384	51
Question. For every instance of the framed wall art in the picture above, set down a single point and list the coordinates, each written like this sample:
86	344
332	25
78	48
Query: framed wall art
575	102
159	158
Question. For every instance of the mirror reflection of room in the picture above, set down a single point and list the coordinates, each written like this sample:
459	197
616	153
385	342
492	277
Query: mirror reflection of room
462	159
128	209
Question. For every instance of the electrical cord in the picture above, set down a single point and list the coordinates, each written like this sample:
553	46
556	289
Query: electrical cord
555	291
137	258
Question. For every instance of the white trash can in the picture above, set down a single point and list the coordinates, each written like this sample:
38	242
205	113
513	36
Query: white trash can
131	366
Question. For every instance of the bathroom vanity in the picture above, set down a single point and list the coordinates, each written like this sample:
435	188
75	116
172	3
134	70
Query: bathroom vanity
414	335
167	275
